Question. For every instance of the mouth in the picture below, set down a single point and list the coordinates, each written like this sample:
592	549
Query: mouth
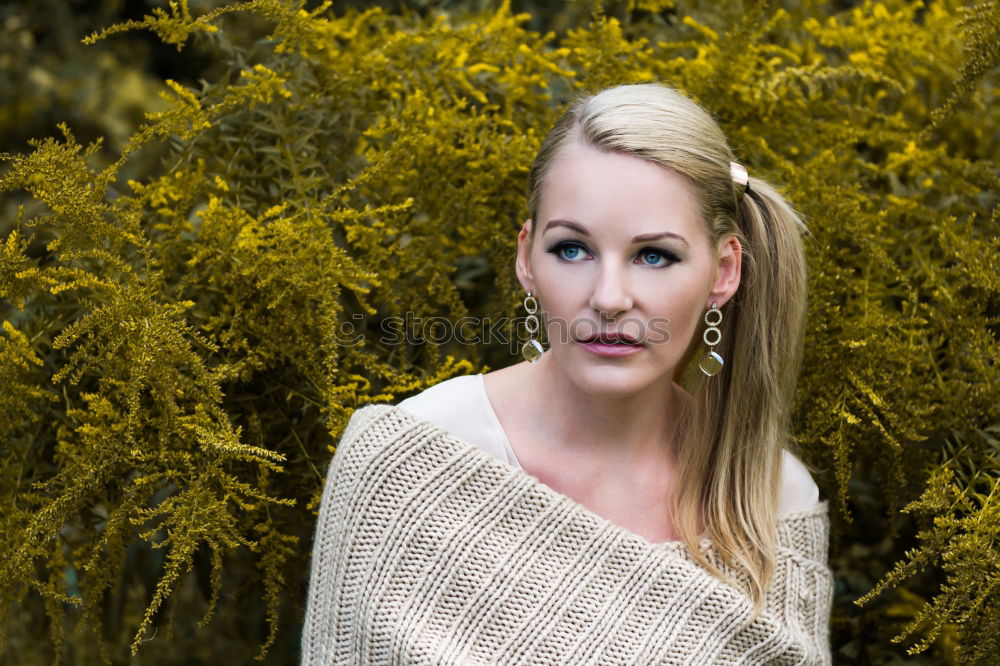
611	339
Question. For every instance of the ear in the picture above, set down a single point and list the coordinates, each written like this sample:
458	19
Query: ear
728	271
523	263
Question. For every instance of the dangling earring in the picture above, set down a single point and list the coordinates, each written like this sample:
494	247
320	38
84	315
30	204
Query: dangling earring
711	362
532	349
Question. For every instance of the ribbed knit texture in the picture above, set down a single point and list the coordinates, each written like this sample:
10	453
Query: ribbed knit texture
430	551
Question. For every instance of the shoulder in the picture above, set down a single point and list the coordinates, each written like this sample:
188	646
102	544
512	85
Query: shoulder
799	491
441	401
803	519
378	432
459	406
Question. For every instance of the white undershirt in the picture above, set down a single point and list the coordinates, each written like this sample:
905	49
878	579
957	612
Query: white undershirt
461	406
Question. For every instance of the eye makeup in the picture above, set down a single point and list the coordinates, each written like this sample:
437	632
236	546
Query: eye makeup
557	250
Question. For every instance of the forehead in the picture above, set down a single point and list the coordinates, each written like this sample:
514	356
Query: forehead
609	190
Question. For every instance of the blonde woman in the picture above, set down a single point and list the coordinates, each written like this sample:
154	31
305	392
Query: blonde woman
625	496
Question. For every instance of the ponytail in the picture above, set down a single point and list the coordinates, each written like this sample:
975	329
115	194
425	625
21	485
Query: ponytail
737	424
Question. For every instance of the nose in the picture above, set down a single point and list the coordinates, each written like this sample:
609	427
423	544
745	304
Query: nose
611	295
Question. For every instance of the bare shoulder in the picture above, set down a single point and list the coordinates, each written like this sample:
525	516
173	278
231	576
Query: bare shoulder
798	489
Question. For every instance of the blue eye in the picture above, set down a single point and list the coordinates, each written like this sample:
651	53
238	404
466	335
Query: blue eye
561	249
652	252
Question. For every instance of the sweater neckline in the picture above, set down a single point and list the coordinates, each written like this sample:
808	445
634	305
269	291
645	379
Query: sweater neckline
520	468
705	543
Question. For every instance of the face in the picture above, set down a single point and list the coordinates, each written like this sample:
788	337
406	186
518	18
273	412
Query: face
591	275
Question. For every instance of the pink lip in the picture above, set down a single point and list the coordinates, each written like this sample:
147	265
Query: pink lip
609	336
607	350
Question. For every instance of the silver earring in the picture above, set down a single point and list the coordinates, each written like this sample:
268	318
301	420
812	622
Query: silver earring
532	349
711	362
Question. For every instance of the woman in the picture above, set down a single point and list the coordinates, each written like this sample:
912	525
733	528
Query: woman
582	506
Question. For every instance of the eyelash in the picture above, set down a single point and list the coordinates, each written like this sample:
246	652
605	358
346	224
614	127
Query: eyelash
556	248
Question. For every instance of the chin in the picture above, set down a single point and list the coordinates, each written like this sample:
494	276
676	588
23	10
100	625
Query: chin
614	378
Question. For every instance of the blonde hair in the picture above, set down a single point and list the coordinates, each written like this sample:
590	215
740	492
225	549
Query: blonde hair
735	428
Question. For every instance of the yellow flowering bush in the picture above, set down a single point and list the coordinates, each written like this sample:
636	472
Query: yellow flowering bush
182	348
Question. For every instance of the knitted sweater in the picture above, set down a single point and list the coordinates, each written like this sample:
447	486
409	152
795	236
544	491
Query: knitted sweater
430	551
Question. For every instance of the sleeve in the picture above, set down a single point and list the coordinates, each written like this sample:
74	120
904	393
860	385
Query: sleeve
805	592
319	628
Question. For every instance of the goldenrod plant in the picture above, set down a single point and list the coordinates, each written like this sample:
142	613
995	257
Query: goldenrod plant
332	223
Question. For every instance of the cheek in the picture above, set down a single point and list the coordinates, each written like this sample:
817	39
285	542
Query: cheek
557	290
679	315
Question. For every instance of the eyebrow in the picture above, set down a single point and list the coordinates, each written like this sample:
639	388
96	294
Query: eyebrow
641	238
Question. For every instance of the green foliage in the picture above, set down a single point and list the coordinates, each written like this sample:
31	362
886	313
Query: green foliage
963	526
182	347
47	76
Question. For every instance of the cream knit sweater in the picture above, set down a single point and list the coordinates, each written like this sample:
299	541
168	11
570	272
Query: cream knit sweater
430	551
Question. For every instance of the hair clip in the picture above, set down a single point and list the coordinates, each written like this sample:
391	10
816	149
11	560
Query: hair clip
741	179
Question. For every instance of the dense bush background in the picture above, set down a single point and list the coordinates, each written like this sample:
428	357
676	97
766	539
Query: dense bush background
195	288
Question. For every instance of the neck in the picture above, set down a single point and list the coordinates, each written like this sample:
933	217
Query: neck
610	425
